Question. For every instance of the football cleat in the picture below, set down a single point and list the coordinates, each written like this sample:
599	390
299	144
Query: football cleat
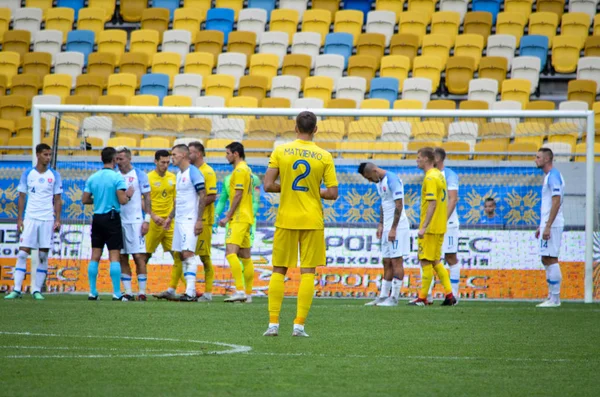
165	295
419	302
37	295
449	301
127	298
272	331
376	302
93	297
117	298
389	302
299	332
142	298
548	303
205	298
14	295
248	299
187	298
237	296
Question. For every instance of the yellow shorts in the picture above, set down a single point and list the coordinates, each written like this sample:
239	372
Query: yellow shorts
204	240
239	234
157	235
311	243
430	247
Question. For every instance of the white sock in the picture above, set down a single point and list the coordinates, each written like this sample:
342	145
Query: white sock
554	278
396	287
273	325
386	287
171	290
455	279
126	280
41	272
20	270
142	278
189	273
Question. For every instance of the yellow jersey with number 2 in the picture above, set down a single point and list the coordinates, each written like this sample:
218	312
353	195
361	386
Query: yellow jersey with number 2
434	188
241	179
302	166
162	192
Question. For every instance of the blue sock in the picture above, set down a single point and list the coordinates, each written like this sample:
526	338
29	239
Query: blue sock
115	276
92	277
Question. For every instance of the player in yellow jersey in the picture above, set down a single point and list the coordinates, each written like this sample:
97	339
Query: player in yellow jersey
240	218
208	217
432	227
301	167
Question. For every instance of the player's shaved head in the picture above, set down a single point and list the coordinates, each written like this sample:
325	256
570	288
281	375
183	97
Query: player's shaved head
306	122
544	158
370	172
548	152
440	154
366	167
181	148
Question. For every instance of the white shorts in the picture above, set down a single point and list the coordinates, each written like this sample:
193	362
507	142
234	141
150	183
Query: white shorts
36	234
551	247
184	238
398	248
133	241
450	245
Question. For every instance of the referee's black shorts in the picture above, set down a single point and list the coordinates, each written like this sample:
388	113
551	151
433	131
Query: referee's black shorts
106	229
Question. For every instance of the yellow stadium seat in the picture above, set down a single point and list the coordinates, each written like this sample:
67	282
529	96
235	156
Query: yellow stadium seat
235	5
318	87
565	53
43	5
184	19
58	84
511	23
349	21
113	41
263	129
155	19
413	23
283	20
495	132
473	105
575	24
101	64
461	147
201	5
493	68
122	141
61	19
330	5
38	63
17	41
375	103
9	65
516	90
3	85
91	19
258	147
522	147
362	150
317	21
13	107
364	130
90	85
113	100
253	86
210	41
363	66
592	46
437	45
131	10
7	129
264	65
530	132
297	65
275	103
4	21
196	127
371	44
330	130
341	103
429	67
25	142
143	100
243	43
596	109
135	63
478	22
396	6
446	23
442	104
555	6
581	150
122	84
26	85
597	25
424	7
469	45
459	72
220	85
396	66
490	147
582	90
154	143
243	102
145	41
428	130
218	144
540	105
107	5
405	44
201	63
407	104
543	24
392	148
167	63
564	132
522	7
414	147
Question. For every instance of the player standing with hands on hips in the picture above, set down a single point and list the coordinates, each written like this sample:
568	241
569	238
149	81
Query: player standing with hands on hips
41	186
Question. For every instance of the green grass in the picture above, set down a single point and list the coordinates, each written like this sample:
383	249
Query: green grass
482	348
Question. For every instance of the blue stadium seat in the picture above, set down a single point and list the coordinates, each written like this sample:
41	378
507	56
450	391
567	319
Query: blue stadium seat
491	6
536	46
267	5
339	44
76	5
170	5
81	41
156	84
360	5
220	19
385	88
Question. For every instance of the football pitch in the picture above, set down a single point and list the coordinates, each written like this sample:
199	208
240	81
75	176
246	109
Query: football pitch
68	346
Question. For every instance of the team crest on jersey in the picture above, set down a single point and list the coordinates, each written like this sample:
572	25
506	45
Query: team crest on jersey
183	179
131	179
41	180
384	189
157	184
170	183
50	180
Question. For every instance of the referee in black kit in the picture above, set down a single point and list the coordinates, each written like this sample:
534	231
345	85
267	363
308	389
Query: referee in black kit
107	191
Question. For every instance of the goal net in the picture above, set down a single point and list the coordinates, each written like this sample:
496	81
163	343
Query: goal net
492	152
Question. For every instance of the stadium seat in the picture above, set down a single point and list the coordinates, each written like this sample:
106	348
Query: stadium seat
308	103
459	72
575	24
493	68
528	68
362	66
339	44
177	41
511	23
562	151
297	65
437	45
49	41
230	128
555	6
385	88
283	103
423	7
364	130
122	84
535	46
379	149
564	132
585	6
486	148
91	86
122	141
382	22
185	20
522	7
530	132
287	86
581	150
371	44
356	150
267	5
469	45
201	63
583	90
592	46
413	23
417	88
502	45
38	63
317	21
473	105
58	84
196	128
483	89
189	85
220	85
209	101
264	65
25	142
429	67
144	100
522	147
131	10
233	64
274	43
252	20
348	22
596	30
9	65
496	132
112	41
81	41
339	103
70	63
406	45
396	66
144	41
508	106
319	87
331	66
210	41
60	19
363	6
408	104
330	130
235	5
283	20
253	86
478	22
490	6
98	127
153	143
455	150
428	130
91	19
166	63
17	41
135	63
156	19
26	85
588	68
5	16
107	5
28	19
541	105
171	5
395	6
113	100
565	54
516	90
446	23
375	103
352	88
327	5
221	19
243	43
464	131
543	24
441	104
307	43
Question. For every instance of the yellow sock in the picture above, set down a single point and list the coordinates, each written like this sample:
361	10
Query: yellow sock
426	281
248	274
176	271
209	273
236	271
276	288
442	273
306	291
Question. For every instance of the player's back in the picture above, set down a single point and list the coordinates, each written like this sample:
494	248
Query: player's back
434	188
303	166
162	192
103	186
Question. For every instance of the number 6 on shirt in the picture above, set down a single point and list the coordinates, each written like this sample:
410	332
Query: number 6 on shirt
301	176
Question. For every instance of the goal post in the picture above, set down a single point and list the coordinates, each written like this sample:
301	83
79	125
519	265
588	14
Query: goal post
514	182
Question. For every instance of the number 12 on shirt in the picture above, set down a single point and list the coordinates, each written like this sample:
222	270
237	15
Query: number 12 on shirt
300	177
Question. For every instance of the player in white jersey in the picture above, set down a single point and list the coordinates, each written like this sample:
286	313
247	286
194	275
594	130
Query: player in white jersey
135	224
41	186
393	231
190	195
552	222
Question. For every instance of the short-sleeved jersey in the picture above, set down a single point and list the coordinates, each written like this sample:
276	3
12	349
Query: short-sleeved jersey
554	185
132	211
434	188
162	192
189	183
103	186
390	189
210	184
302	166
452	183
40	189
241	179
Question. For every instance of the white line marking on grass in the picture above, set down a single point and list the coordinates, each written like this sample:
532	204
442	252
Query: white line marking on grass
232	348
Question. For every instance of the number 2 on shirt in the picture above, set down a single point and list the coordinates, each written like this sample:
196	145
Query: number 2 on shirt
301	176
